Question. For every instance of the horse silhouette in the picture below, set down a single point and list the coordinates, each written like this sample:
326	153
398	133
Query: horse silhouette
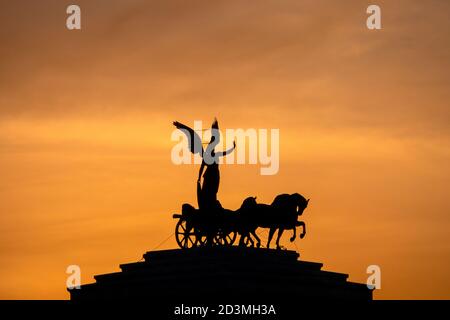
281	215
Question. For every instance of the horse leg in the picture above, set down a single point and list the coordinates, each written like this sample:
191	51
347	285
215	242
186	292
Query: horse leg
241	240
303	225
271	233
210	239
251	240
294	234
258	244
245	238
280	232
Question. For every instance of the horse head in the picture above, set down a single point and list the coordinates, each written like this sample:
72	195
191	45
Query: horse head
249	203
300	202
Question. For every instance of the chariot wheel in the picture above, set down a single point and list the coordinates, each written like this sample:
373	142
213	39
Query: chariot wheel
185	234
225	238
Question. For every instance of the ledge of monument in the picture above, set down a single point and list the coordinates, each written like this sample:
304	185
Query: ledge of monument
221	252
263	263
199	264
199	259
233	270
224	274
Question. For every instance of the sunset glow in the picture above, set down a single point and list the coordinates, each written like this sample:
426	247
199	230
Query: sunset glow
86	122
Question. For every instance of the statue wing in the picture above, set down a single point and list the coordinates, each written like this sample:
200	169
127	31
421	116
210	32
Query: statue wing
215	131
194	140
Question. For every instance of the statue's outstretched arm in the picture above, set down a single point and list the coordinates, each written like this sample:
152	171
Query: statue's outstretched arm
224	153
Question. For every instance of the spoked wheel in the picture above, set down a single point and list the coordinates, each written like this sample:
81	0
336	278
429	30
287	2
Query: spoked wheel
225	238
185	235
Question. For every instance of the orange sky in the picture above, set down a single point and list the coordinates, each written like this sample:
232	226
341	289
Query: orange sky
85	124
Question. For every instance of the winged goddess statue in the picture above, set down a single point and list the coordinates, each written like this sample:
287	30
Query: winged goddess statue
206	191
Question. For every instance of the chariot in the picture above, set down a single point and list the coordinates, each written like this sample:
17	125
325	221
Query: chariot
197	228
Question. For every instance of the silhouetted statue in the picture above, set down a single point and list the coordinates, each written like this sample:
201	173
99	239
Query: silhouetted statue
207	192
211	224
